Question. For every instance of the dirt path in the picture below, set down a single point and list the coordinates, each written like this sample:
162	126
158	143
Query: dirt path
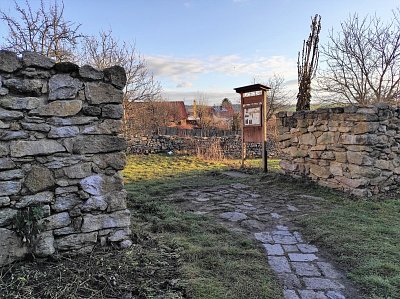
304	270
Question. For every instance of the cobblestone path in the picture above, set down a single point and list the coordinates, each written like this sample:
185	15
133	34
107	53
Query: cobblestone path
302	268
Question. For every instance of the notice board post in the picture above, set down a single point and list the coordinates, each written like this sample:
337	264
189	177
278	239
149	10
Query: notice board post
253	106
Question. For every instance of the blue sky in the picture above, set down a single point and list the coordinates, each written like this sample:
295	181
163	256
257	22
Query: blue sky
213	46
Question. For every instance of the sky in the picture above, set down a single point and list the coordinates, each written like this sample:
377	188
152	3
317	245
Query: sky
205	48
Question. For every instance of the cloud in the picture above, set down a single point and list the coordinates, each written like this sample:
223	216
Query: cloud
184	85
179	69
210	98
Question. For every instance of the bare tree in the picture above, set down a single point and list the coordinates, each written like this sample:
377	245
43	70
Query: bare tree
363	61
278	96
308	65
105	51
44	31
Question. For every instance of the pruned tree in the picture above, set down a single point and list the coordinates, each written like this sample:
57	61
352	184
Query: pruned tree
44	31
363	61
104	51
307	66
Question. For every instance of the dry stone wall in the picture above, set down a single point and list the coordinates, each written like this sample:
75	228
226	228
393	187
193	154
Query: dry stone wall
354	149
60	155
230	146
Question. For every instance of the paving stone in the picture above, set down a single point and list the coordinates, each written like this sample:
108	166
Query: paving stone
275	249
290	248
279	264
202	199
302	257
240	186
282	233
298	236
328	270
317	283
282	227
307	248
282	239
235	174
290	294
264	237
289	280
276	216
307	294
252	224
305	269
233	216
292	208
335	295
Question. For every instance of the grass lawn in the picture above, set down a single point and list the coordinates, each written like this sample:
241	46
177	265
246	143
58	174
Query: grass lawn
215	262
363	236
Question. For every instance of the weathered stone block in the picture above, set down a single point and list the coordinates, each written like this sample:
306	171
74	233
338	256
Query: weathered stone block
10	115
27	86
102	93
104	221
78	171
36	60
328	138
63	132
22	103
112	111
9	187
95	203
23	148
56	221
11	174
9	61
66	202
89	72
11	247
38	198
106	127
44	244
39	178
116	76
71	121
115	160
319	171
101	184
59	108
63	86
4	149
98	144
6	163
76	241
7	216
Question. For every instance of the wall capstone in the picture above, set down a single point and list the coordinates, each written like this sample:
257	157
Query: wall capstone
60	151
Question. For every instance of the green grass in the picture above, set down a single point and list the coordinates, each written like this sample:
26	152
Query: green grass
216	263
364	237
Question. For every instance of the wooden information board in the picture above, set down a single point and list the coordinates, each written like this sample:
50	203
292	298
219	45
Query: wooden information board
253	101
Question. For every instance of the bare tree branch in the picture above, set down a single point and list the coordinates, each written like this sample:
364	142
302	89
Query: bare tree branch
104	51
363	61
44	31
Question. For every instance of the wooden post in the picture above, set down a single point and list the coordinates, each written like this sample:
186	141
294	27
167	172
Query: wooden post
242	127
264	128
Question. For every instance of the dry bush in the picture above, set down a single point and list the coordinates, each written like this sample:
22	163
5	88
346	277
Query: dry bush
210	151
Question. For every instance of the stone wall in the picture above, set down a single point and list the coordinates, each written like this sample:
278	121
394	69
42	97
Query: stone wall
354	149
60	153
230	146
